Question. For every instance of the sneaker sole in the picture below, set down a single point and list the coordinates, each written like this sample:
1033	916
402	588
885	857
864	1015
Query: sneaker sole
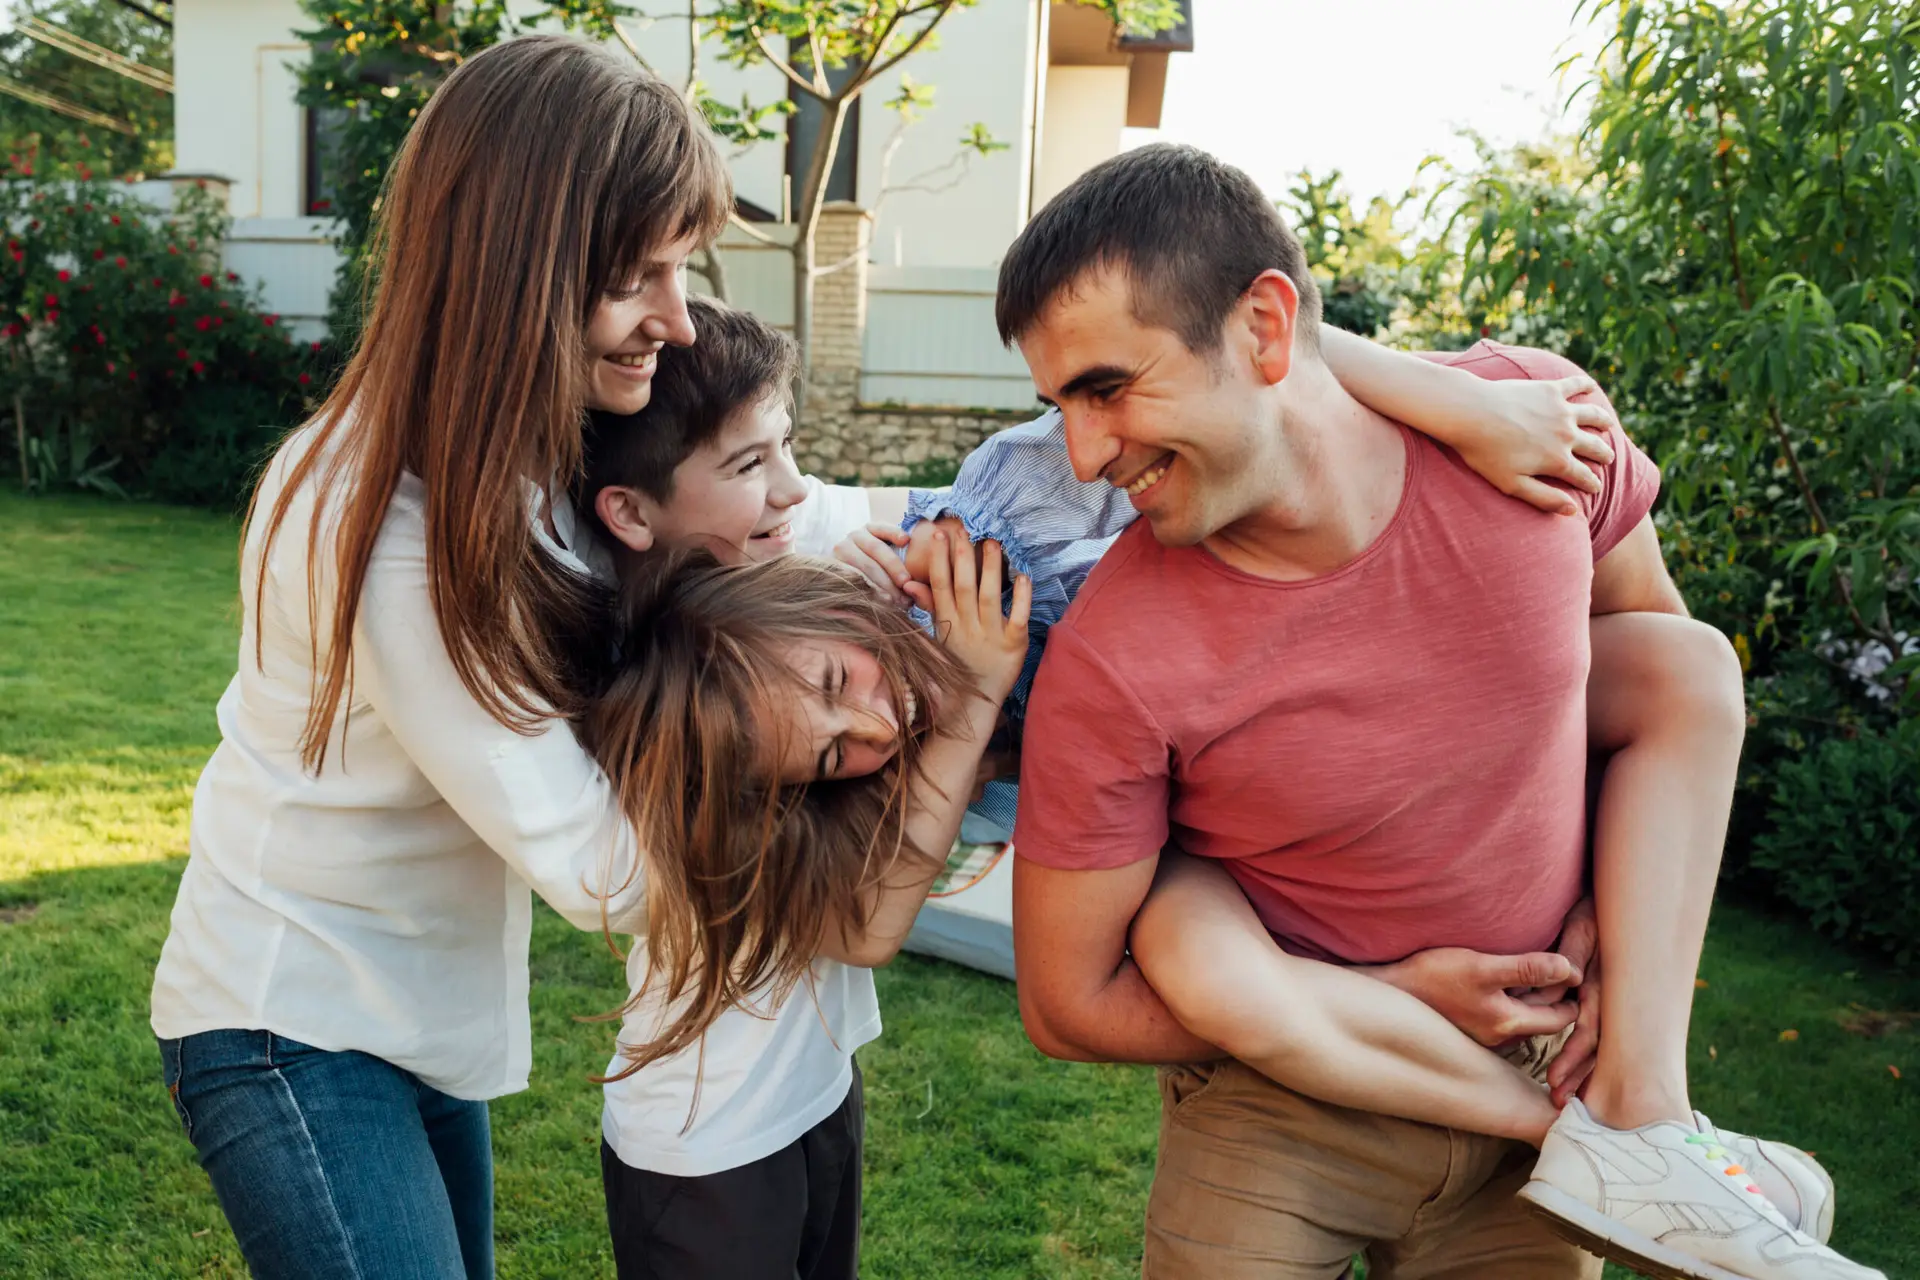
1582	1225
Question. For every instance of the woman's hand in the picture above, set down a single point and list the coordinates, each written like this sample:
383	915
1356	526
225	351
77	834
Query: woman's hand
1531	432
966	607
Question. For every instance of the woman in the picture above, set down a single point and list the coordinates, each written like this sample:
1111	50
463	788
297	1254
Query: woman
345	982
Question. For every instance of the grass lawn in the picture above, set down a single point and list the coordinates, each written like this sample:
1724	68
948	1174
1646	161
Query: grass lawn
117	625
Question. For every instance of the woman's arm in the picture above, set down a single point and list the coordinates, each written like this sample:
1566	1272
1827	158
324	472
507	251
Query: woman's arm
967	608
1514	433
1320	1029
537	799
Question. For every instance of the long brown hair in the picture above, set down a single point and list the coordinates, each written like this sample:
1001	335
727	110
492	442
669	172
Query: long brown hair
743	874
536	179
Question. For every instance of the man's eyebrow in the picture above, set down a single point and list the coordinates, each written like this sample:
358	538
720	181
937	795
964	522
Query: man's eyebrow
1087	379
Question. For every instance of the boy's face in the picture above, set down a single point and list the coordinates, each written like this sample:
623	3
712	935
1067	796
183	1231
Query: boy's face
738	488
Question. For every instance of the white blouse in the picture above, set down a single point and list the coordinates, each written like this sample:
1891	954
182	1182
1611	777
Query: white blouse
383	905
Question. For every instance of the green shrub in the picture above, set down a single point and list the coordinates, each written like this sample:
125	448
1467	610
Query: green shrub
137	363
1842	840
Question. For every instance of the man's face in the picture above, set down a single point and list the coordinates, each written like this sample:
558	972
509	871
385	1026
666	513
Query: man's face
1182	433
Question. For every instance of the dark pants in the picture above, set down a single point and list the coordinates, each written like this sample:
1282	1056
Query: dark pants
794	1215
335	1164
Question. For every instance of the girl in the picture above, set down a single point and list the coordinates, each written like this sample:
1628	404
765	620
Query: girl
345	981
734	1120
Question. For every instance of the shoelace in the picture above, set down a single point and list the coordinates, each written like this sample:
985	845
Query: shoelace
1720	1155
1731	1167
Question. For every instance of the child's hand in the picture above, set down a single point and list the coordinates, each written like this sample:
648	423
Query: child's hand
1534	431
967	608
871	551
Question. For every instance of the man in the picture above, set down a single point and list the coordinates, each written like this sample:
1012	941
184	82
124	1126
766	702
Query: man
1332	659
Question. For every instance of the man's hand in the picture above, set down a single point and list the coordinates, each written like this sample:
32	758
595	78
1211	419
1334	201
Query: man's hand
1474	991
1580	944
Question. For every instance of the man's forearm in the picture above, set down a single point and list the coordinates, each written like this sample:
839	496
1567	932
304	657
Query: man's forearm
1125	1021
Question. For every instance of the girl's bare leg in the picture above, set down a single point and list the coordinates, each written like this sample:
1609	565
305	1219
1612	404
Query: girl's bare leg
1319	1029
1665	695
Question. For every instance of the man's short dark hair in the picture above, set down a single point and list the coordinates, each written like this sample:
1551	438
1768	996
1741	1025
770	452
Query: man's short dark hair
1188	232
737	361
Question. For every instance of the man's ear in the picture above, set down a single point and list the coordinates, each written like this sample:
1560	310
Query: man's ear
1273	304
625	513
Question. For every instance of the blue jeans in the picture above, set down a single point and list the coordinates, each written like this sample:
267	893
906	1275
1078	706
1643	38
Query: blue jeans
335	1164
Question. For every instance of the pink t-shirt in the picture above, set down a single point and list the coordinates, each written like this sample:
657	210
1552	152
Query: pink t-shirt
1387	758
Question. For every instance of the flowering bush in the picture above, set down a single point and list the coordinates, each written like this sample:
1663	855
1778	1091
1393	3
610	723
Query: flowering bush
129	358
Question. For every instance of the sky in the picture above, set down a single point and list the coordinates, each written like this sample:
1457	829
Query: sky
1369	87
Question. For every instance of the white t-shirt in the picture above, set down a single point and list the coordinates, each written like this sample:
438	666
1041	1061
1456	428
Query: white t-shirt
769	1075
381	906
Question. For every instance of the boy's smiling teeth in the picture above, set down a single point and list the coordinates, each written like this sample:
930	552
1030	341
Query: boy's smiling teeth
1148	478
780	530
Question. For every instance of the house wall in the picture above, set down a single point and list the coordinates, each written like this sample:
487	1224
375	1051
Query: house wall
233	110
1086	109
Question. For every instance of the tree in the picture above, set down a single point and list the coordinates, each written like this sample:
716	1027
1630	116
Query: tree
1740	267
1357	258
62	107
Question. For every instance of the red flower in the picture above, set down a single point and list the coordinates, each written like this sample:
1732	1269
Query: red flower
34	225
99	337
109	366
216	322
120	262
53	317
304	379
176	299
133	375
86	175
231	277
87	207
206	282
199	367
18	256
65	276
173	248
99	254
182	353
53	301
315	347
204	323
116	219
14	245
13	330
270	320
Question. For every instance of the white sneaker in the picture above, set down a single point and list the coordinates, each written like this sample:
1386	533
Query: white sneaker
1800	1189
1670	1202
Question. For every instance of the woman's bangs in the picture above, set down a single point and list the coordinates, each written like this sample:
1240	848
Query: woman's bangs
664	184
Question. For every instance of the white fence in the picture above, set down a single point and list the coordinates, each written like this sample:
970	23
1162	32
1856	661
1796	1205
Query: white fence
931	342
292	261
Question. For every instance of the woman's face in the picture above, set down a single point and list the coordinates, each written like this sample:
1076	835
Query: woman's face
631	324
839	721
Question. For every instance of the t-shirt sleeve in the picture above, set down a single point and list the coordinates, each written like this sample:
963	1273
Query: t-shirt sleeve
1094	765
827	514
1629	483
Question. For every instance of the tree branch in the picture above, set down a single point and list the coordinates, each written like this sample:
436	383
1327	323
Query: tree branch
944	7
780	64
753	232
143	11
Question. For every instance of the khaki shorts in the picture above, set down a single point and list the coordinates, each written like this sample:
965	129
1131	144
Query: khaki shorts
1255	1180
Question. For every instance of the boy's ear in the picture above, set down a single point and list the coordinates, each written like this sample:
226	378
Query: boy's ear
624	512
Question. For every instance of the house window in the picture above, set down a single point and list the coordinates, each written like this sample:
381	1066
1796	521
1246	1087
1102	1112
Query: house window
320	187
803	130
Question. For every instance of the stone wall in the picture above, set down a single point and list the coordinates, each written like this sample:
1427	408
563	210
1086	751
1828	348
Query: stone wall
838	438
